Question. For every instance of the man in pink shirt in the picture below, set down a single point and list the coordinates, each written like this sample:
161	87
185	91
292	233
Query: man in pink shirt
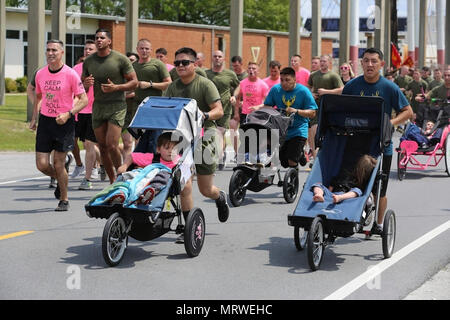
252	92
61	95
274	77
301	74
161	54
83	126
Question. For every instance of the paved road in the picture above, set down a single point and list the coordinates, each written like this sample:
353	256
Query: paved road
252	256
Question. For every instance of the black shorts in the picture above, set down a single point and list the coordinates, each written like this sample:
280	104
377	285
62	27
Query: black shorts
292	149
52	136
83	127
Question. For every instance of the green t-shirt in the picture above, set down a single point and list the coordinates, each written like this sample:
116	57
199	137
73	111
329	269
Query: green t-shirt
328	80
416	88
226	81
402	82
242	76
201	89
114	67
174	74
433	84
156	71
440	92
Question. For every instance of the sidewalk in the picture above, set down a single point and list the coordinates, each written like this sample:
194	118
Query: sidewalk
437	288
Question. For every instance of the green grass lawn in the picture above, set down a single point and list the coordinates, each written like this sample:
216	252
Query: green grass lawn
14	132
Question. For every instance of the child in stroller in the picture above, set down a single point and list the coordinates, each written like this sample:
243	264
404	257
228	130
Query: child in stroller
139	178
164	154
346	184
426	137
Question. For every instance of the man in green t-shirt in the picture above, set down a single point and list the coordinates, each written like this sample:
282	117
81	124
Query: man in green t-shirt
322	81
111	74
416	87
226	82
403	78
437	81
193	86
439	92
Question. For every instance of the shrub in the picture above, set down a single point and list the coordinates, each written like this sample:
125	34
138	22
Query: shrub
10	85
22	84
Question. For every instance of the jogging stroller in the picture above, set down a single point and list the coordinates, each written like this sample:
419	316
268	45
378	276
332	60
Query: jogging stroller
262	134
145	222
349	126
433	148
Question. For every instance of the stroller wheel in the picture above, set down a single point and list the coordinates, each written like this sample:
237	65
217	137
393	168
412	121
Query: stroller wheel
315	243
236	189
388	234
290	185
300	236
194	232
401	169
114	240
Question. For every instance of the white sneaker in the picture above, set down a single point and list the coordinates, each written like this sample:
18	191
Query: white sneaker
85	185
77	171
94	174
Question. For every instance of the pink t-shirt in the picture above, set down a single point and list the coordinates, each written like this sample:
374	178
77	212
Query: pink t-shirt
253	93
169	66
90	94
144	159
271	82
58	90
302	76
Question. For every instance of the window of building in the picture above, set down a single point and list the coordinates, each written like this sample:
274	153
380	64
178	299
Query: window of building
13	34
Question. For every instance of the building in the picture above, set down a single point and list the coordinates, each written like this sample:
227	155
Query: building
258	45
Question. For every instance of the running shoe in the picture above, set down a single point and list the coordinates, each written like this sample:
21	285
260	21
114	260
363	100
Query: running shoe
62	206
52	183
77	171
85	185
222	207
94	174
180	239
147	195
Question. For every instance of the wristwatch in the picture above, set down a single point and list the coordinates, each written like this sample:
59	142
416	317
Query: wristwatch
71	114
206	115
151	84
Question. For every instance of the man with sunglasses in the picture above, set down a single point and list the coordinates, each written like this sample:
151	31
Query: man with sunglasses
111	74
193	86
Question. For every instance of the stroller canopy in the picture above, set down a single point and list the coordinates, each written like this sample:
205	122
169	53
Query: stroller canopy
267	118
178	114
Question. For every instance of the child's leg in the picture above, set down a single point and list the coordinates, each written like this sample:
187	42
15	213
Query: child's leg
340	197
318	194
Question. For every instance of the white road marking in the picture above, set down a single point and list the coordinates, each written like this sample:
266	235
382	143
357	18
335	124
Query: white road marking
367	276
22	180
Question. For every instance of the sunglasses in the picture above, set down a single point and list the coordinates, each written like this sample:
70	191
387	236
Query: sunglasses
185	63
344	68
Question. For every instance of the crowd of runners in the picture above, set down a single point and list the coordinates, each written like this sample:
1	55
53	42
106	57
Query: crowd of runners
95	101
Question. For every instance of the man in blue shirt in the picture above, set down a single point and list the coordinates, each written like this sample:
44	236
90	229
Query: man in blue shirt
293	98
371	83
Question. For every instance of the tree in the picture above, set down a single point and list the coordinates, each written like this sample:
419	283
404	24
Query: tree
258	14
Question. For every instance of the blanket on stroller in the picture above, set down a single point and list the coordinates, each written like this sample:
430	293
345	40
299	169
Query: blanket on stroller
414	133
138	186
